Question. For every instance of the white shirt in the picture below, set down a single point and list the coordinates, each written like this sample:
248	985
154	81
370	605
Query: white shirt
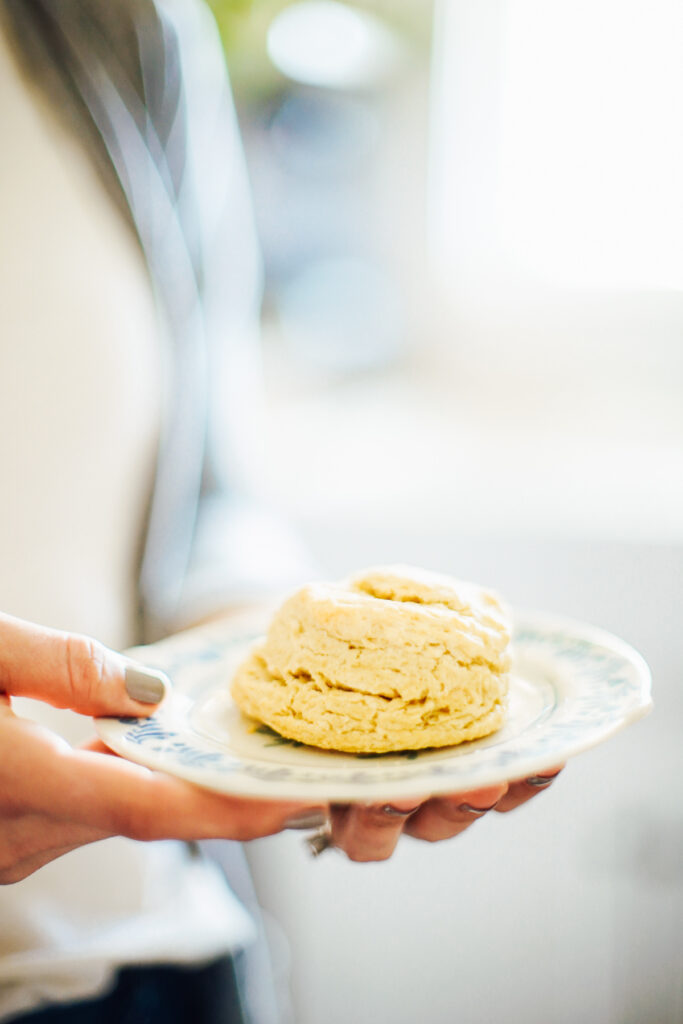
80	372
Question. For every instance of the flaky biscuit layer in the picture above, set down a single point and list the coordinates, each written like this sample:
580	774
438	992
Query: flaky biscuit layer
392	659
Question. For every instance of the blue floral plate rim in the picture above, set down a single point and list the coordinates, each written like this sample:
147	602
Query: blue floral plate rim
573	686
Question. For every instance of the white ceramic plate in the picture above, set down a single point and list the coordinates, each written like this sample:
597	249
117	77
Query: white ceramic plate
572	687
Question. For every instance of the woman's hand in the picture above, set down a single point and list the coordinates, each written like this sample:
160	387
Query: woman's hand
370	833
54	798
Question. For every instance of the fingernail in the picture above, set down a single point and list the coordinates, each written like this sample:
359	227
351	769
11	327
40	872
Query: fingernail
540	781
396	812
147	685
478	812
307	819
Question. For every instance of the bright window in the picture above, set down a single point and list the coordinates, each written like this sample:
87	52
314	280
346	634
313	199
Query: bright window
558	134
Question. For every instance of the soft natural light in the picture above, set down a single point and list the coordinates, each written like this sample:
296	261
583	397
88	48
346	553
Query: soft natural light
561	126
329	44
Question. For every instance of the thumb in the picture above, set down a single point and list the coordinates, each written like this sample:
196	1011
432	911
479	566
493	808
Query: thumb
72	671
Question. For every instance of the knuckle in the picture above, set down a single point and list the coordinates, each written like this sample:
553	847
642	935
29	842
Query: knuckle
137	826
131	820
84	667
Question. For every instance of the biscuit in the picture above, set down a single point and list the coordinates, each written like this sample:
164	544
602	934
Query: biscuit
393	658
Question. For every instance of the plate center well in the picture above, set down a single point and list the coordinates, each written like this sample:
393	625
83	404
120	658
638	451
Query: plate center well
216	718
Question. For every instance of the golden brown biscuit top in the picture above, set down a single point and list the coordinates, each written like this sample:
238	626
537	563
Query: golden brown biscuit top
400	643
393	658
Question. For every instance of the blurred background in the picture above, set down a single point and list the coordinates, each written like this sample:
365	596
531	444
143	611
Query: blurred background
472	223
471	219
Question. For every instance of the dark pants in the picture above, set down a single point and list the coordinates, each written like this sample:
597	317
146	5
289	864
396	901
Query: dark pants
158	995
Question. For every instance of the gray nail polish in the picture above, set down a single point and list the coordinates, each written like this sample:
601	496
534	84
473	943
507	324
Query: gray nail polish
540	781
396	812
307	819
476	811
147	685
